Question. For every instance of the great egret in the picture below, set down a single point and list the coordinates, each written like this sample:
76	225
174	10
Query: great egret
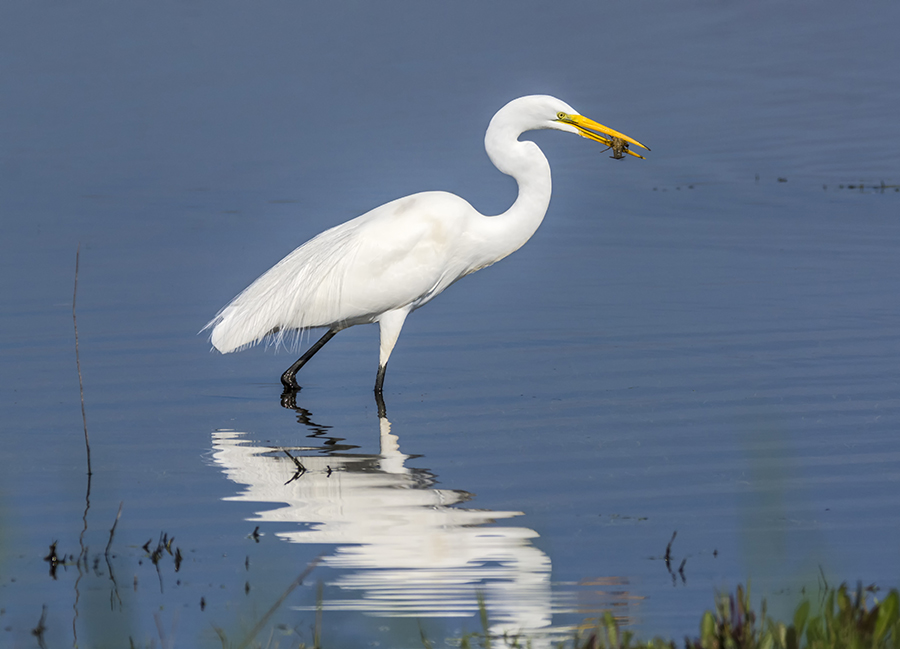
381	266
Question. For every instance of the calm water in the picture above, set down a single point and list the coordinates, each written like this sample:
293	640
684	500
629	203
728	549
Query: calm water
703	342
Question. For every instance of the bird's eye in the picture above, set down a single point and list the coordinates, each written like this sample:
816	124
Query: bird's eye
561	116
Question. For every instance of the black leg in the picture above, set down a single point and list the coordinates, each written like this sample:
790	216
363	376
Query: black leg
379	380
289	378
289	399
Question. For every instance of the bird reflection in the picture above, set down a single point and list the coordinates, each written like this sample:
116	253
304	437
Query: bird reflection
404	547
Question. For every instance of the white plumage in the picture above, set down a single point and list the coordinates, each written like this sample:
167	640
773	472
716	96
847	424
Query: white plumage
382	265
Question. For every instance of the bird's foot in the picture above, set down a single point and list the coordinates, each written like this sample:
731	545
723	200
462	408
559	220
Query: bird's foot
289	398
289	381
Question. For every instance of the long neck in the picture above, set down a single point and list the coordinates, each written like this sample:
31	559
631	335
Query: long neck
525	162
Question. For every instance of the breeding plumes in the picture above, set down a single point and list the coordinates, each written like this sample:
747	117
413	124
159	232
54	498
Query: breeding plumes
381	266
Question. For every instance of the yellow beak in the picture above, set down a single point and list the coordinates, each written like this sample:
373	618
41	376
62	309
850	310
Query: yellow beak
592	130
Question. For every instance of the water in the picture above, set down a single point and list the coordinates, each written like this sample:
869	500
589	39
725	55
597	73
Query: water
702	342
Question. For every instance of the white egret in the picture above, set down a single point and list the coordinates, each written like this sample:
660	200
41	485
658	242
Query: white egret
381	266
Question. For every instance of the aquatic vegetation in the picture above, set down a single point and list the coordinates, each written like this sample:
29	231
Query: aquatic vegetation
844	620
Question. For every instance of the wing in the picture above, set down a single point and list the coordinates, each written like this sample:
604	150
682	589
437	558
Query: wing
402	253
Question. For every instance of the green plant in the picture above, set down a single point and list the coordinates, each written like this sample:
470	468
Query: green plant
842	621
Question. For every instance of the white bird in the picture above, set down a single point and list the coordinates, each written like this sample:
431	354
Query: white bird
381	266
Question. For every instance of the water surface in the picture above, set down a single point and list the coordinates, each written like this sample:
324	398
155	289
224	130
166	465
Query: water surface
705	342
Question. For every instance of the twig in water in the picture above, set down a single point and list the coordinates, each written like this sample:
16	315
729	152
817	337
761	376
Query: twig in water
300	468
38	631
265	618
87	442
112	530
668	555
53	559
114	595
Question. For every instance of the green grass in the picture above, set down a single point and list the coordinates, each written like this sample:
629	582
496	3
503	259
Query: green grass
840	619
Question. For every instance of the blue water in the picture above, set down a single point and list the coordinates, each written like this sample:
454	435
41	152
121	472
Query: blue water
704	342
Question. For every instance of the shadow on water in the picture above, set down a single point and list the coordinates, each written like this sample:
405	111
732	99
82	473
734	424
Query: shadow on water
403	547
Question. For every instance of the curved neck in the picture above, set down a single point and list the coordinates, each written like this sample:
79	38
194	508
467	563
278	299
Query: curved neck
525	162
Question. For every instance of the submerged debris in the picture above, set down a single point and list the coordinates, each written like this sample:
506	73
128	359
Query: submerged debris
38	631
53	559
668	555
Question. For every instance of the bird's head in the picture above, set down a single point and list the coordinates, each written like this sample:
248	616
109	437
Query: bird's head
546	112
